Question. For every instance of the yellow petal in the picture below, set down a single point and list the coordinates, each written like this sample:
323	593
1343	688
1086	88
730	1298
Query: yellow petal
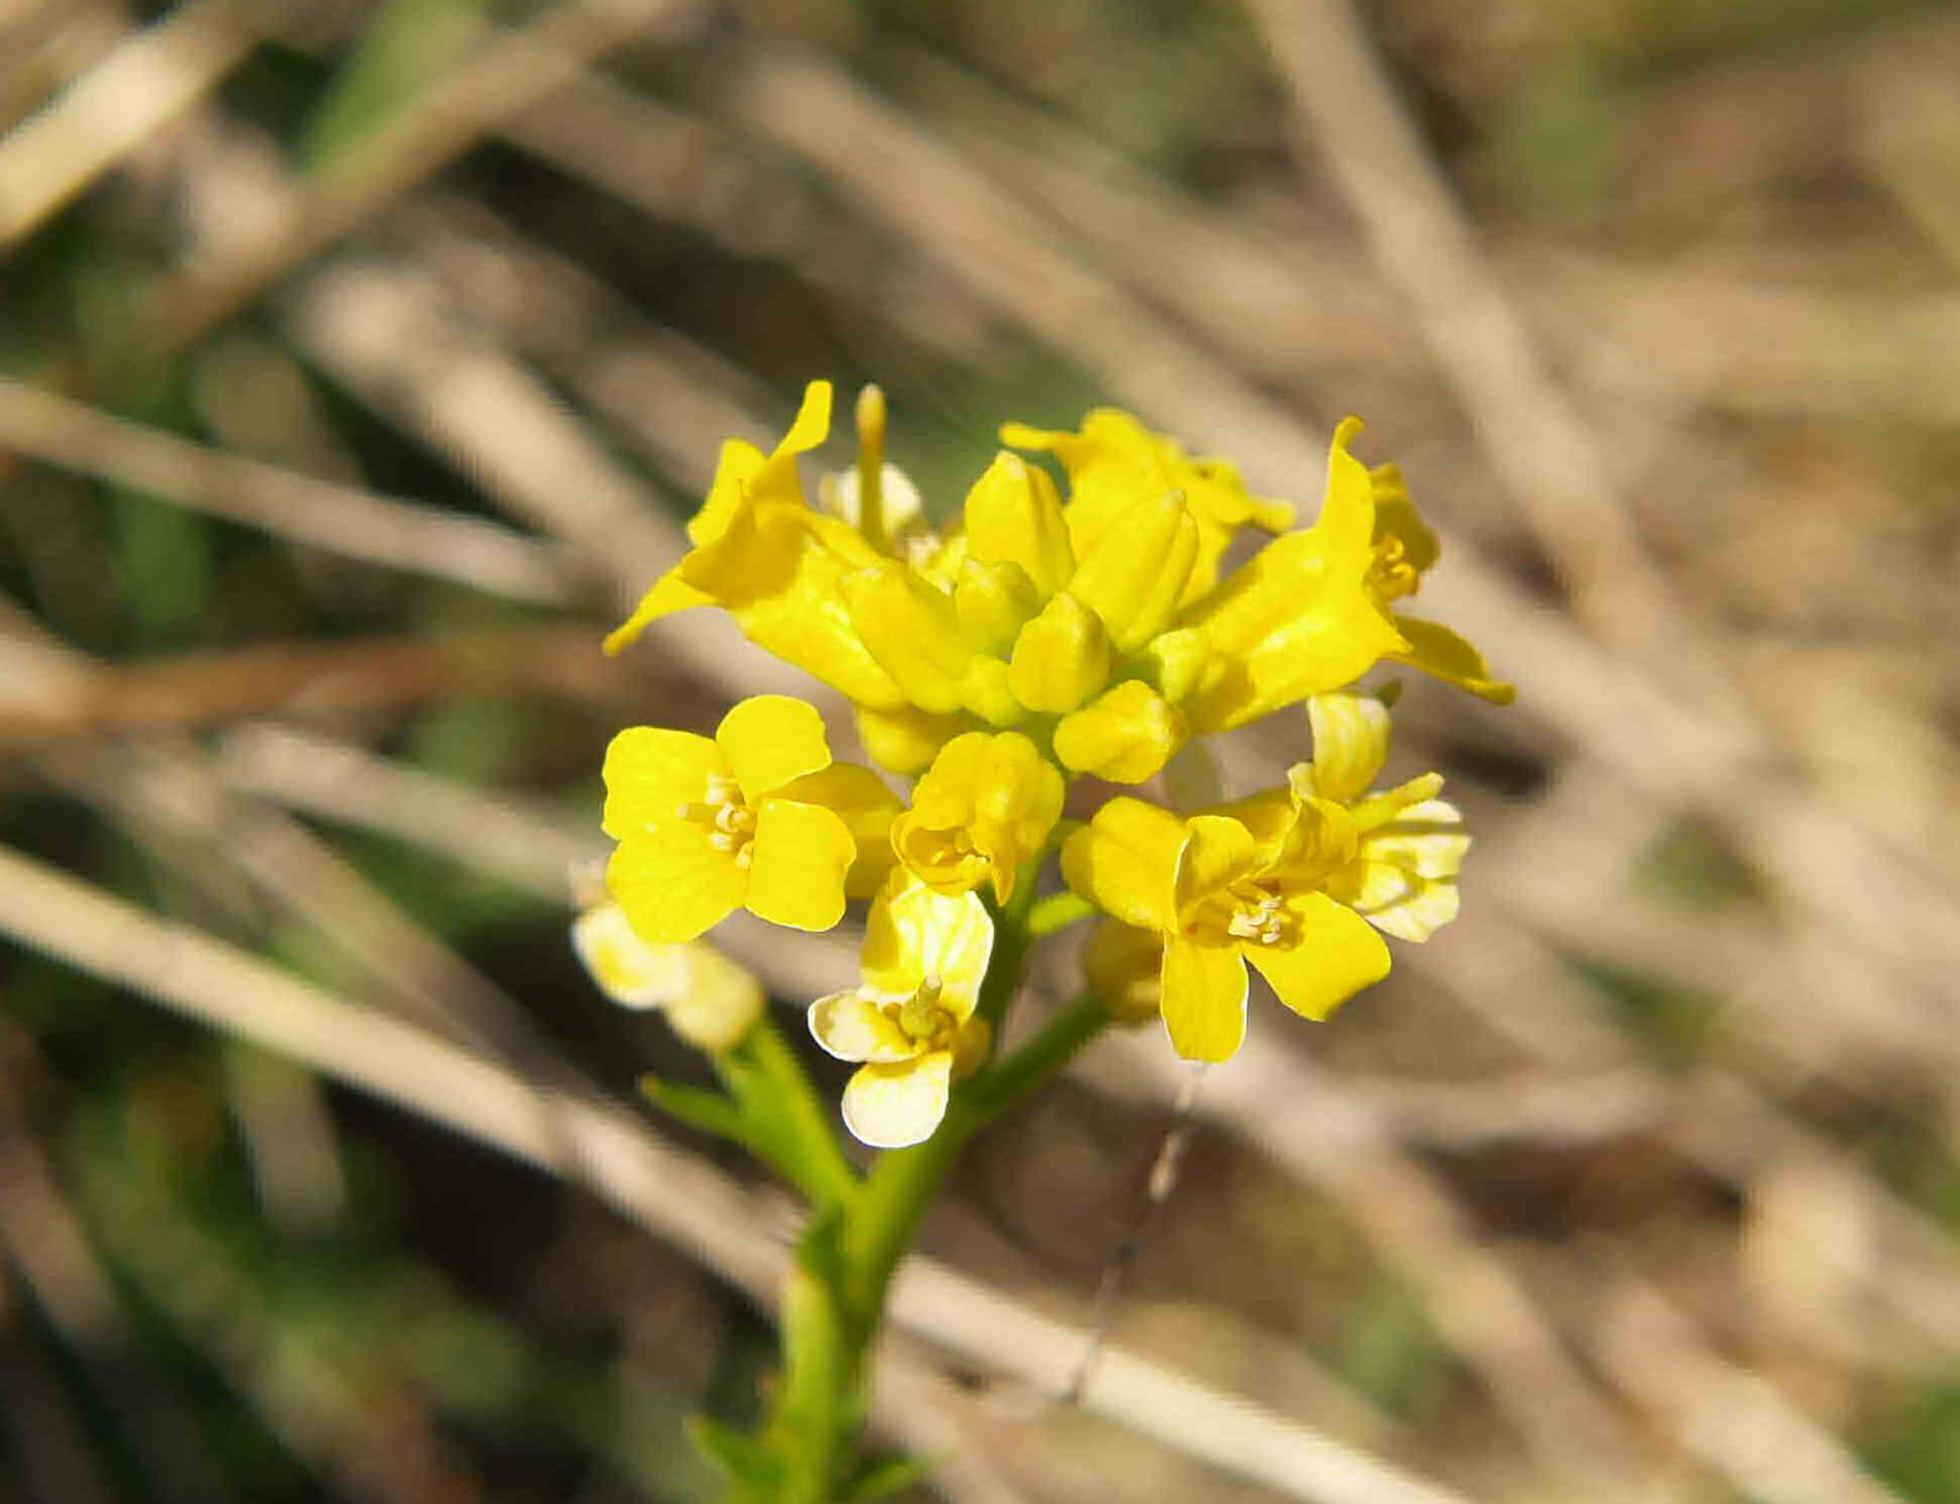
812	423
1438	651
896	1106
771	739
673	883
1292	622
670	593
1013	515
1134	577
984	808
858	797
800	856
1124	861
1299	618
624	967
1335	956
993	602
1404	878
1350	743
1061	657
778	569
710	1001
1218	851
1124	967
1204	991
907	739
1125	736
915	932
852	1027
651	772
910	627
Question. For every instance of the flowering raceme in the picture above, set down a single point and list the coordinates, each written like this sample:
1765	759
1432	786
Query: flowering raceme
1042	634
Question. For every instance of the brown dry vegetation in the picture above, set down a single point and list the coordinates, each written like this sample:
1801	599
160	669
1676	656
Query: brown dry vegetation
358	362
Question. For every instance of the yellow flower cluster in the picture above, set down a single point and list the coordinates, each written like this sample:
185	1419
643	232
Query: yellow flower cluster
1037	639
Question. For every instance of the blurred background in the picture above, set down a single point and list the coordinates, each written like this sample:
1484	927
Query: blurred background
360	362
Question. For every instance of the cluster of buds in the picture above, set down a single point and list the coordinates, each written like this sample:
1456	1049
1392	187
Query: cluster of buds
1044	644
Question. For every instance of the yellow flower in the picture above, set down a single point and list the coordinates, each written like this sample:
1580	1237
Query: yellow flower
1405	550
910	1026
710	1000
1217	896
984	808
1302	616
1409	844
758	816
1115	464
777	566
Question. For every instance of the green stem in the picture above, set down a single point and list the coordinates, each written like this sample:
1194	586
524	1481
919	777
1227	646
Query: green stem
1057	912
835	1298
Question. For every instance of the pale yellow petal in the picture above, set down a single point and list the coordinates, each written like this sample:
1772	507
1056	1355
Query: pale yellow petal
1350	743
852	1027
916	933
624	967
1333	957
896	1106
718	1001
800	858
771	739
651	772
1204	991
674	883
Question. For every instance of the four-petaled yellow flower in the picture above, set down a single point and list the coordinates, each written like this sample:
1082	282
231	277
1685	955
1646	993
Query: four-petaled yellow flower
1218	895
1409	844
982	810
711	1001
910	1027
1038	637
757	817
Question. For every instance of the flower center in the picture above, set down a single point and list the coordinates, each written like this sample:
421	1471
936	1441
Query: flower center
1392	573
1248	911
921	1016
726	815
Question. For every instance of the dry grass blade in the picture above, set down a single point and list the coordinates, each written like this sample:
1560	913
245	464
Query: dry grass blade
659	1187
503	76
303	680
357	524
1534	438
153	77
1731	1418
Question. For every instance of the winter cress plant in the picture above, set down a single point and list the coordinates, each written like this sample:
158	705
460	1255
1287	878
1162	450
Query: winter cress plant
1056	646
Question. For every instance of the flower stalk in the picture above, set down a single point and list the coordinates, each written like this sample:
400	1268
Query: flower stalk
1011	664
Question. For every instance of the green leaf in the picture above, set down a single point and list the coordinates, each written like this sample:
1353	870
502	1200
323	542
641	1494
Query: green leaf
748	1461
697	1107
883	1479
